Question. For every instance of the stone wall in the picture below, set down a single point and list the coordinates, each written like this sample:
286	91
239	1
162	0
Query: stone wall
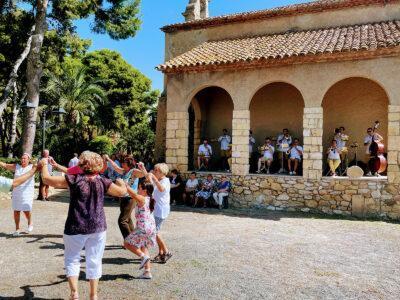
312	135
394	144
159	149
366	197
177	140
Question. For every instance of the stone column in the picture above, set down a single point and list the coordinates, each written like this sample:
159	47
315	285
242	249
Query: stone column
240	142
312	133
393	146
196	139
177	140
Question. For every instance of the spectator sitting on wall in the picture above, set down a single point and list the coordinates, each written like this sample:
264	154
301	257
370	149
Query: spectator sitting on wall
223	190
207	187
190	189
177	187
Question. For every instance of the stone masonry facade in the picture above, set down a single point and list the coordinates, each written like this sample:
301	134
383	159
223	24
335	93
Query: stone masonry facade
363	198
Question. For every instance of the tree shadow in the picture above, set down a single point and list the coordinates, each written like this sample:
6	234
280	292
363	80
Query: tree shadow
29	294
36	237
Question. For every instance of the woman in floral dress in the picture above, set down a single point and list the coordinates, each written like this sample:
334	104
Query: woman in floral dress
144	235
205	193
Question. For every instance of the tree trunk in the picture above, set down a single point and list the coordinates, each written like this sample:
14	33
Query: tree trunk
13	129
14	74
33	76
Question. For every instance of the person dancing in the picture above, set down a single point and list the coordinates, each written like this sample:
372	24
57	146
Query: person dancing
144	235
85	226
22	195
162	204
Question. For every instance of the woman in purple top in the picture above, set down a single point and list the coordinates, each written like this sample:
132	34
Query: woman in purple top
86	222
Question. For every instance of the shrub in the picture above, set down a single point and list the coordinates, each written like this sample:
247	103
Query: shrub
101	144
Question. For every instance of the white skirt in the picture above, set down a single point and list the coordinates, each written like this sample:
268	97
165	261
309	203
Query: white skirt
22	196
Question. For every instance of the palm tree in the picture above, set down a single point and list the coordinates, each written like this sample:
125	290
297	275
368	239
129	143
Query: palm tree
77	95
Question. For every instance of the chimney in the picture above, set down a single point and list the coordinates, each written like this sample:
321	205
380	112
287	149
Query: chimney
196	10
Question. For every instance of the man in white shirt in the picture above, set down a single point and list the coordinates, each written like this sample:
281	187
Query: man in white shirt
333	157
295	153
267	155
284	141
204	154
74	161
224	141
161	211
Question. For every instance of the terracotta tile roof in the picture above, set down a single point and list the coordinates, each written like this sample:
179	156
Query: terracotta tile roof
296	9
291	47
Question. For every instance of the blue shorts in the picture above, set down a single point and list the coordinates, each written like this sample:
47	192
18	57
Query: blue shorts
159	222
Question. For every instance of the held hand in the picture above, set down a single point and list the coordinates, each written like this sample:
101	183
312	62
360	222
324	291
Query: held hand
52	162
44	162
119	182
106	157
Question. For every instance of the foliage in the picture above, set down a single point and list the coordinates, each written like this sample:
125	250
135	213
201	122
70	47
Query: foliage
102	144
4	172
138	140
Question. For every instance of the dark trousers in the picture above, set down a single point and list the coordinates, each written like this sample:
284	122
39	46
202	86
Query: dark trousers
125	222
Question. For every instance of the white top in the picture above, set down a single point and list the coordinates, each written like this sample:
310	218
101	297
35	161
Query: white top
5	184
252	141
339	142
22	196
225	140
284	142
269	153
162	199
73	162
206	151
334	154
192	183
294	153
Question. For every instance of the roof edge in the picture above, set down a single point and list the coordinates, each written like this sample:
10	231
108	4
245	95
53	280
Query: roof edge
284	11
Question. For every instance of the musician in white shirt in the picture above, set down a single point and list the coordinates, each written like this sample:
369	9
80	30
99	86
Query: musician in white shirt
204	154
267	155
284	141
333	157
295	153
225	141
371	137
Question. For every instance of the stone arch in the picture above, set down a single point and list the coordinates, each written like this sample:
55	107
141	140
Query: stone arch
210	111
274	106
355	103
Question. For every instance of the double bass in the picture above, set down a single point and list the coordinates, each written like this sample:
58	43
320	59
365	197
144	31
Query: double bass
377	163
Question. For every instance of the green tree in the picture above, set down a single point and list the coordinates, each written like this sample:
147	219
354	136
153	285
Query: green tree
117	18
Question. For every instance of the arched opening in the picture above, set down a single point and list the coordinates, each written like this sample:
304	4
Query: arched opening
274	107
354	103
210	111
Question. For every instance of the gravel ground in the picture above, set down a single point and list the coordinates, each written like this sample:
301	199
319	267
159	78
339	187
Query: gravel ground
228	255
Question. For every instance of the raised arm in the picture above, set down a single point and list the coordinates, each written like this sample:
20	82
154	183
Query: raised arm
117	189
117	168
10	167
21	179
135	196
57	166
153	179
58	182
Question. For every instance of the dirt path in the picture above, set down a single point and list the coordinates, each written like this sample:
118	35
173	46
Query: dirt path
229	255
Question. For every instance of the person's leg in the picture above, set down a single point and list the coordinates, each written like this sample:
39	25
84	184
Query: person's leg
124	220
28	216
147	266
215	196
40	195
290	165
73	245
336	164
46	191
196	199
17	216
199	162
331	166
259	165
94	251
162	247
296	164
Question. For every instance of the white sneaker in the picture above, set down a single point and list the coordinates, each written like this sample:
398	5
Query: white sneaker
291	173
30	228
145	259
280	170
16	233
268	172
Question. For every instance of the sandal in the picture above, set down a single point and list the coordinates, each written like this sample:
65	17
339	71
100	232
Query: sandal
157	259
74	296
146	275
166	257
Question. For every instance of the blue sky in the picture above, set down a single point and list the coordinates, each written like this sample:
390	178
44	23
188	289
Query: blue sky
146	50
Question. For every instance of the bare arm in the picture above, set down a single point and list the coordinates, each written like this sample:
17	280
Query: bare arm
21	179
135	196
117	168
10	167
117	189
58	167
59	182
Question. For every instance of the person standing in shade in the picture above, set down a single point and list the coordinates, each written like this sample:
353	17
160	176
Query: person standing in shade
74	161
333	157
252	142
224	141
85	227
43	188
162	204
22	196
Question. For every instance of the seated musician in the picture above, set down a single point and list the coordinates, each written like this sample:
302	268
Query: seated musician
295	153
333	157
371	136
341	138
284	140
204	155
267	152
